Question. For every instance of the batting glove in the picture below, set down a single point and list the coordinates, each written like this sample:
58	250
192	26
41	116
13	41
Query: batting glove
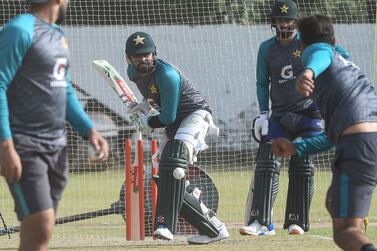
140	108
260	126
140	121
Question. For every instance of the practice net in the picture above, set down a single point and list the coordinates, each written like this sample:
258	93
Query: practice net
215	43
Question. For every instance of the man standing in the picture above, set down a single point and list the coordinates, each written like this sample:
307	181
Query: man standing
348	105
292	116
36	98
187	120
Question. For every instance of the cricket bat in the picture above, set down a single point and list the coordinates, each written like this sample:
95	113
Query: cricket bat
116	81
119	85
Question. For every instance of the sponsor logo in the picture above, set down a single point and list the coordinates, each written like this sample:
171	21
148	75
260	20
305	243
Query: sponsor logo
161	219
59	73
286	74
196	193
294	217
254	212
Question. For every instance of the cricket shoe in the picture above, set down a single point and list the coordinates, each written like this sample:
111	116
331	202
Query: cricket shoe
256	229
204	239
295	229
163	233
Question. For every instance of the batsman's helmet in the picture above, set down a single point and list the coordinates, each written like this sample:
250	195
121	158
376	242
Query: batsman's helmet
285	9
36	1
140	43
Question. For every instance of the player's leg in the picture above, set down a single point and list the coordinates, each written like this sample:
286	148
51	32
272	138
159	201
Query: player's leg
32	194
204	219
301	172
264	192
36	230
265	187
354	180
193	210
193	131
170	190
300	194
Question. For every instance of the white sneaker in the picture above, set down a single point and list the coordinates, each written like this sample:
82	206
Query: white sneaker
295	229
204	239
163	233
256	229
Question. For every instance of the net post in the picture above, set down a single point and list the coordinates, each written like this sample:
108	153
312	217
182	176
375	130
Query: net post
128	186
140	156
154	149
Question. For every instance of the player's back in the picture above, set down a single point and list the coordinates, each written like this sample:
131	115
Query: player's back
345	96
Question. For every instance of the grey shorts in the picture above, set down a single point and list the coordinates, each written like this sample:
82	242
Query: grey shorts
44	176
354	175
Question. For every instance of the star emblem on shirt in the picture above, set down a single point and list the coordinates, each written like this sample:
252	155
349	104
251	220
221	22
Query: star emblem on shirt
153	89
296	53
139	40
284	9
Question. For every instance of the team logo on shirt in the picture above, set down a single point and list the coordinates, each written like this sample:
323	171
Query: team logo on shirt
286	73
153	89
59	73
296	53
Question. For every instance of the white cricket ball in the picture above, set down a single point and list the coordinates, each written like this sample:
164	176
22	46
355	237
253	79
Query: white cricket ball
94	155
179	173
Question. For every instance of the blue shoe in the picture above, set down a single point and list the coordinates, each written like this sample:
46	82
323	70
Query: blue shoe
256	229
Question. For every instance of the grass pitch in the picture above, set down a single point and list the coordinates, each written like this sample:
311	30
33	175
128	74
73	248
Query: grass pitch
93	191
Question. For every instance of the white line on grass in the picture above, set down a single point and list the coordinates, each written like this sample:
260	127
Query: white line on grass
320	237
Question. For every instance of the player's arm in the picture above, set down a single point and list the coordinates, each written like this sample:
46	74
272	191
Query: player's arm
79	120
260	123
169	85
14	44
75	113
263	77
313	145
316	59
285	148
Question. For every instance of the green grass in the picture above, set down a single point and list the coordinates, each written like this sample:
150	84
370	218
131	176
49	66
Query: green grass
93	191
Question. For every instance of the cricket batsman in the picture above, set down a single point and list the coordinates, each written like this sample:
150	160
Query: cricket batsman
187	120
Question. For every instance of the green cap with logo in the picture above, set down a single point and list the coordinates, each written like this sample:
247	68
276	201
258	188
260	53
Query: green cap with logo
140	43
285	9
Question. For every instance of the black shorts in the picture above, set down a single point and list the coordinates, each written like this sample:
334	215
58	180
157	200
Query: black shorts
44	176
354	175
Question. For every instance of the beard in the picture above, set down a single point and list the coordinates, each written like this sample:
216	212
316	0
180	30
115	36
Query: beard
145	66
